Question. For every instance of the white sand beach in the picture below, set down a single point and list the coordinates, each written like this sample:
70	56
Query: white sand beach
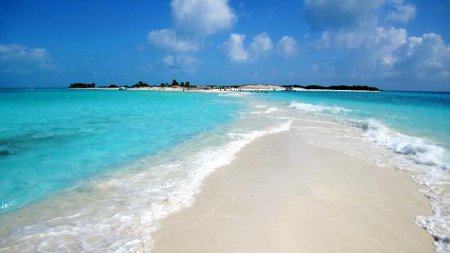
283	195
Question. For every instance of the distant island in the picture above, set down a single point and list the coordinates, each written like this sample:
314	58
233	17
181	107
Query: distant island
334	87
176	86
81	85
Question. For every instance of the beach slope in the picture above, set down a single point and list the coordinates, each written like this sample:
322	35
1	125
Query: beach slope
283	195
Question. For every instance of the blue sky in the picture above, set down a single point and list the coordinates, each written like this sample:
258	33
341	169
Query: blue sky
393	44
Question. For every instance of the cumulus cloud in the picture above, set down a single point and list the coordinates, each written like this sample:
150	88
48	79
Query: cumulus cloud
338	14
391	53
184	63
401	12
379	38
236	50
351	14
169	60
374	49
169	40
202	17
193	22
287	46
261	45
424	56
22	60
324	41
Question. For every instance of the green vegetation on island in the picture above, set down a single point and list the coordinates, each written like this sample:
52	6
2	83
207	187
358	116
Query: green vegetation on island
140	84
244	87
333	87
81	85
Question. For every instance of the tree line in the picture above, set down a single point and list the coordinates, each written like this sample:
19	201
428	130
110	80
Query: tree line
139	84
188	85
82	85
333	87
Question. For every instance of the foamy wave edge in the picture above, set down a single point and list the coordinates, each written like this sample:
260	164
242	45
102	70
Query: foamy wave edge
434	174
130	229
317	108
422	152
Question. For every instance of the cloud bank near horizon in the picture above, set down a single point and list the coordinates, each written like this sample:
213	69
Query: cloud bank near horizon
375	42
24	61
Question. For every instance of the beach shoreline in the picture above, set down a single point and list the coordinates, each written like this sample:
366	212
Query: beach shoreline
248	88
283	195
283	175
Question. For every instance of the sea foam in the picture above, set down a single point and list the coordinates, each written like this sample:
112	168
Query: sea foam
426	160
419	150
132	202
271	109
317	108
434	173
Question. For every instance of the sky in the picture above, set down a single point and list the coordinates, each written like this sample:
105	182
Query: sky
391	44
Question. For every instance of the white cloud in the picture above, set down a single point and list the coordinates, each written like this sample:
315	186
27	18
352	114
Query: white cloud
379	49
202	17
193	22
425	56
391	53
370	53
402	12
324	41
188	60
234	48
337	13
261	45
352	14
183	62
236	51
168	39
377	38
287	46
22	60
369	48
169	60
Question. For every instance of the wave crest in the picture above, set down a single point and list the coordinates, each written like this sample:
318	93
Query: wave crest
435	175
317	108
419	150
131	204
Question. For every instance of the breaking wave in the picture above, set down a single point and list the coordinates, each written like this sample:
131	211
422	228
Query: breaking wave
317	108
132	204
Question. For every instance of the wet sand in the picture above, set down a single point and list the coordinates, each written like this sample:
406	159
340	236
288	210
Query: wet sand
283	195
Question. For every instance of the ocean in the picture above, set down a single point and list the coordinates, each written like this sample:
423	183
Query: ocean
96	170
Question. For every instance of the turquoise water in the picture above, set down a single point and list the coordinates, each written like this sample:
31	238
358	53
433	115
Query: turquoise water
418	114
405	130
410	123
114	163
52	139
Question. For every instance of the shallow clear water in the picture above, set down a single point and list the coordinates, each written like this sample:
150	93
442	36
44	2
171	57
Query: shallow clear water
51	139
138	156
405	130
415	113
143	164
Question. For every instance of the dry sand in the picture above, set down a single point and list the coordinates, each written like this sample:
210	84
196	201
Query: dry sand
283	195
